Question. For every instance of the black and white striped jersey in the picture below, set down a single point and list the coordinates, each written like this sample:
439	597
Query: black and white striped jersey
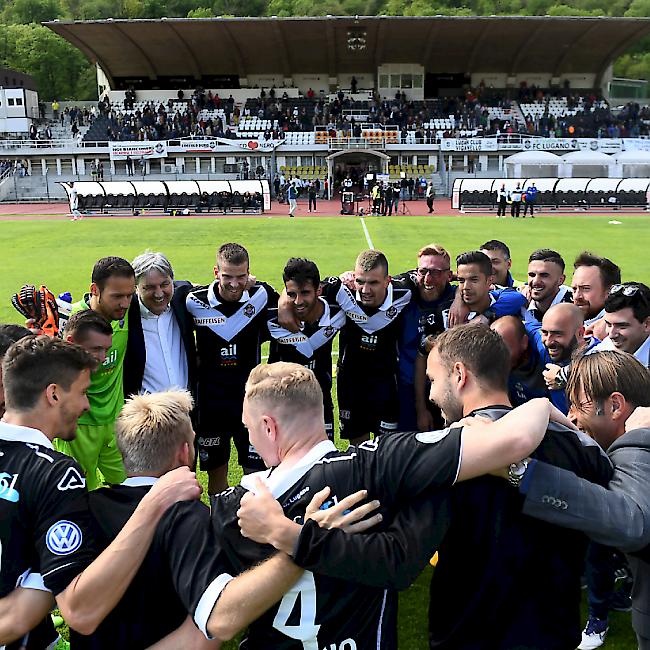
228	338
368	341
311	346
319	611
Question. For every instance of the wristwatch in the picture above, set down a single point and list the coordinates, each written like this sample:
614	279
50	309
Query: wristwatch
516	472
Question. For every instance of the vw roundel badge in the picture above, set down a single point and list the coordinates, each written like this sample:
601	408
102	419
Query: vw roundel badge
63	538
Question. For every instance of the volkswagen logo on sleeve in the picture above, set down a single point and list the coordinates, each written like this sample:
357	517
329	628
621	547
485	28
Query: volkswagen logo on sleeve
63	538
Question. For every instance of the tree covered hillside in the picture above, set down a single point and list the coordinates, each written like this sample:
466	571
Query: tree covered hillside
62	72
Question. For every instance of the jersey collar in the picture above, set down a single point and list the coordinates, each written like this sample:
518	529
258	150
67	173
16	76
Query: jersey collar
560	296
213	295
139	481
278	480
17	433
325	318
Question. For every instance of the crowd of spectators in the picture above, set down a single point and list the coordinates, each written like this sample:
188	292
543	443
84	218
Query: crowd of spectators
19	167
481	111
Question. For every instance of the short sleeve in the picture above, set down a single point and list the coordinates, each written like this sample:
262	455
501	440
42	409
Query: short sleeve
62	525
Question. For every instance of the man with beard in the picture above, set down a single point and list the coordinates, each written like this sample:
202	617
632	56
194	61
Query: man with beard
507	582
94	448
561	333
593	277
545	288
230	323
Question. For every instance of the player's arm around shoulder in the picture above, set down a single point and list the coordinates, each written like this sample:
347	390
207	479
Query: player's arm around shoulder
489	446
22	610
95	591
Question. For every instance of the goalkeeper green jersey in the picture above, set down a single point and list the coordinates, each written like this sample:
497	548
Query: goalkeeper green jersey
106	394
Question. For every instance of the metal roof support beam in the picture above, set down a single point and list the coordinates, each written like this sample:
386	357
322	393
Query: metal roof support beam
153	73
187	51
233	46
525	47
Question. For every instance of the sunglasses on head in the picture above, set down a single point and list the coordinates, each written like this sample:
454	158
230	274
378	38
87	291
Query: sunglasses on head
628	290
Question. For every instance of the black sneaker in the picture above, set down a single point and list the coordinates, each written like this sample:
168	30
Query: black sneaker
621	601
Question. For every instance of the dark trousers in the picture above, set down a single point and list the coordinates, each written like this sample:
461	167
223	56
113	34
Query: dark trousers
430	203
515	208
501	208
600	570
312	202
531	205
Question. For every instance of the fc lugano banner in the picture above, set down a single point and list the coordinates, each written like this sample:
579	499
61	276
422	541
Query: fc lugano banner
137	150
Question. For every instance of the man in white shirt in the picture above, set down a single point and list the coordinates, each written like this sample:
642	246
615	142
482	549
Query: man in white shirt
161	350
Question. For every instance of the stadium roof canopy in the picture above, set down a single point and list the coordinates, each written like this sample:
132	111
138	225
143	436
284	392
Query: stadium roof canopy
207	47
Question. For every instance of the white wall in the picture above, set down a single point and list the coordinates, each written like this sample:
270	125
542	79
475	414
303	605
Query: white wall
14	125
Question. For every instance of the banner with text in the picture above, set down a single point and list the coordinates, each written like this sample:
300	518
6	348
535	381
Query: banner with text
137	150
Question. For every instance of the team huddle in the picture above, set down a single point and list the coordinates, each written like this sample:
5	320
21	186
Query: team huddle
500	424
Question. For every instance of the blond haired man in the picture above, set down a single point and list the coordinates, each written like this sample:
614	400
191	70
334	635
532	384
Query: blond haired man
283	411
185	573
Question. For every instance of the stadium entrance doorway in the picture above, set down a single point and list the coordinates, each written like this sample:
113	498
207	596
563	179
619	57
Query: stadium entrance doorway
354	164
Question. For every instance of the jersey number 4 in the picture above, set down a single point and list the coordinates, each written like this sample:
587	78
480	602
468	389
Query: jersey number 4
306	630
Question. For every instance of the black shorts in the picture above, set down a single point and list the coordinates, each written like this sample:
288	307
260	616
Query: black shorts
367	406
215	429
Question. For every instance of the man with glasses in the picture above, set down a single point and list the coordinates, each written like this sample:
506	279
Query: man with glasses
422	317
627	318
475	279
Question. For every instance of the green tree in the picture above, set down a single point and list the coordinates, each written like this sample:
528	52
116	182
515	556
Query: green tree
201	12
31	11
59	69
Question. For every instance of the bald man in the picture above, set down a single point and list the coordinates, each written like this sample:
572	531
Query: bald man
526	381
560	335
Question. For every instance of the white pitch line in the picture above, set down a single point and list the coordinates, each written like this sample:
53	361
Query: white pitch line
365	230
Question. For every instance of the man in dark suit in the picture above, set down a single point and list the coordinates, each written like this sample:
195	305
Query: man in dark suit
606	390
161	352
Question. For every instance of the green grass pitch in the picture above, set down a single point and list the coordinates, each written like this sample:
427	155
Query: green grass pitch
61	254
